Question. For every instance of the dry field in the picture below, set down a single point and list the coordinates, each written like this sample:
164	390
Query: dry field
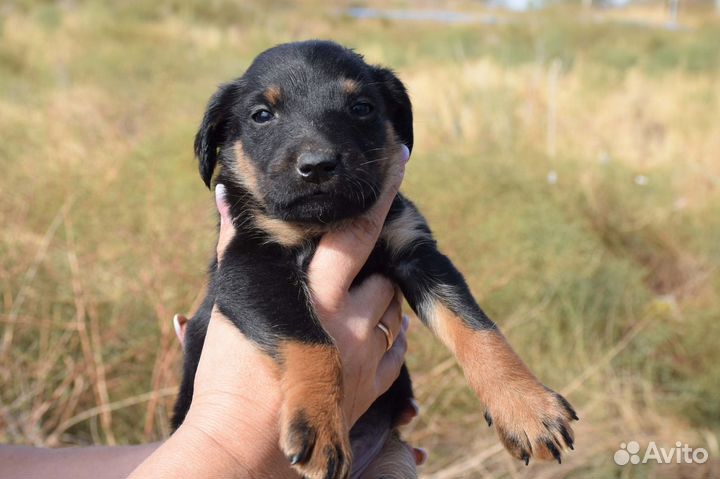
568	160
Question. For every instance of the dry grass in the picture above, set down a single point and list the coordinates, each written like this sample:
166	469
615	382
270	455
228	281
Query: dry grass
605	279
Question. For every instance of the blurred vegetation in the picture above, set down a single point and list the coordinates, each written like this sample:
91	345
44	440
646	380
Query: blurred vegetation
595	247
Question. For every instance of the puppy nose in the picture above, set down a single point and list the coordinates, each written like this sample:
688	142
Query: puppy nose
317	167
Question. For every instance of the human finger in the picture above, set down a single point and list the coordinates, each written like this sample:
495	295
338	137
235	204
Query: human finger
389	368
227	229
420	455
342	253
180	326
388	328
374	296
409	412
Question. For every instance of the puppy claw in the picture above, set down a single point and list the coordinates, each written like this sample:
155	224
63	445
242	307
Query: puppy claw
488	418
338	463
331	466
534	424
553	450
299	441
567	437
315	449
568	408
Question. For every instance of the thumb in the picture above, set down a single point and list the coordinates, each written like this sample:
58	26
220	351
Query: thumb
342	253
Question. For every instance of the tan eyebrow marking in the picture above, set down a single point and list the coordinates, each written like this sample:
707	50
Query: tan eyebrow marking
350	86
272	94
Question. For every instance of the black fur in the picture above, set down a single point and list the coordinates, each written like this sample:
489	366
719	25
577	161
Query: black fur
260	285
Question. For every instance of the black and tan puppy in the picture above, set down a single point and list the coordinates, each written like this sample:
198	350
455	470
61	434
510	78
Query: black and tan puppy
304	140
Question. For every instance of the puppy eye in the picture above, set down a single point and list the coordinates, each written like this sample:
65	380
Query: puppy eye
361	109
262	116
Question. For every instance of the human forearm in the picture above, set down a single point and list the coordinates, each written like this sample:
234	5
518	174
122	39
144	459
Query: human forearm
106	462
232	427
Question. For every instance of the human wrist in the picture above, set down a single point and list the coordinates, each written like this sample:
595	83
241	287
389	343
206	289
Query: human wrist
195	450
199	444
232	427
241	446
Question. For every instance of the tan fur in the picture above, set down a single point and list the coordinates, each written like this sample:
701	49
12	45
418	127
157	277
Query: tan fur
517	402
399	234
273	94
283	232
311	382
404	231
350	86
396	461
391	153
245	171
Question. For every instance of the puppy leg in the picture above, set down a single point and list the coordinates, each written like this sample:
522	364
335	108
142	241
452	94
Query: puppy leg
531	419
264	299
314	434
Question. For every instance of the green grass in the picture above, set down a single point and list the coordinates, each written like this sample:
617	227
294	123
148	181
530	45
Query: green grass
607	288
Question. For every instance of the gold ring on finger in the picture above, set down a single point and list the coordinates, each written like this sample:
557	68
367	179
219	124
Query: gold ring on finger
388	335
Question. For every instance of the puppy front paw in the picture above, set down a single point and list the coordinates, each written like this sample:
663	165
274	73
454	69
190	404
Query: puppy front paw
315	441
533	424
313	431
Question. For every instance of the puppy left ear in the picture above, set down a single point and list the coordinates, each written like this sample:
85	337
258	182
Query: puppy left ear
397	103
213	130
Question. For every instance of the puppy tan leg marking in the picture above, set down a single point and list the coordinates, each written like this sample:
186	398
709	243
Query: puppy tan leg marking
313	432
531	420
396	461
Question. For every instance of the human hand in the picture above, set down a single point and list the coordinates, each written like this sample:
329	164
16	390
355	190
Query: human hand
355	318
245	396
370	364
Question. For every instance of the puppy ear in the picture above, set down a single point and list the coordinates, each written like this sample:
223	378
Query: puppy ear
397	104
213	130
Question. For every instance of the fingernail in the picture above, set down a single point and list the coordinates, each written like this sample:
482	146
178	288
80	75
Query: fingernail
405	153
221	203
421	456
405	322
415	406
220	192
176	325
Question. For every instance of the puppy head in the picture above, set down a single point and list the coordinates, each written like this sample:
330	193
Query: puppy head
310	131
